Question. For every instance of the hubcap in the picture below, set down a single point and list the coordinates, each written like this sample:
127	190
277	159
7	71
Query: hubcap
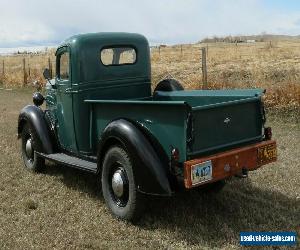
117	183
28	148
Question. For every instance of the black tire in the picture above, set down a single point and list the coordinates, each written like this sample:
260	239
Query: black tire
32	161
128	205
214	187
168	85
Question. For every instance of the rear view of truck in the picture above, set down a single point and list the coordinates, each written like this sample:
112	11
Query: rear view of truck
103	117
225	134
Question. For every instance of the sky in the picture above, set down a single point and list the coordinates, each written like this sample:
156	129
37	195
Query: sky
38	22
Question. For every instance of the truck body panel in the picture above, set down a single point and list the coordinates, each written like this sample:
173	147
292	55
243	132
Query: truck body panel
122	89
145	113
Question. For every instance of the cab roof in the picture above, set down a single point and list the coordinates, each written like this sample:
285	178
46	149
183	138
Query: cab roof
85	60
104	38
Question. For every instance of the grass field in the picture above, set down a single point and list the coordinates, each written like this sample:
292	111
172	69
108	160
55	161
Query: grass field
274	66
63	208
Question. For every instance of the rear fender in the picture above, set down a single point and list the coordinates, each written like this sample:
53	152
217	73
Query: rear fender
35	117
150	173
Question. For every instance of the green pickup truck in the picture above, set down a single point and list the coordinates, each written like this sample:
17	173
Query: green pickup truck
102	116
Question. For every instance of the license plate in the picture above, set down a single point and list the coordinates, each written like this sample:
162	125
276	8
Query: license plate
201	172
266	153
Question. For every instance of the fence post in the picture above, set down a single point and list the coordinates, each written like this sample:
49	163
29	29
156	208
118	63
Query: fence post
181	50
159	50
206	51
3	69
29	73
24	72
50	66
204	69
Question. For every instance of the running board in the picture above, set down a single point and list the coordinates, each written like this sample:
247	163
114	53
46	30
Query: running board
71	161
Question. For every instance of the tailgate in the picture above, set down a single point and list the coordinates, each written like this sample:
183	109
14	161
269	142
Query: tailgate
224	125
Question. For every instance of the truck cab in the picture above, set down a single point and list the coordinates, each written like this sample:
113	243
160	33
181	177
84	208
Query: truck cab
102	116
92	67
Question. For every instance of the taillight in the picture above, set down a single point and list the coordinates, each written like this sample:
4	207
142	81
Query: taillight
268	133
174	163
175	154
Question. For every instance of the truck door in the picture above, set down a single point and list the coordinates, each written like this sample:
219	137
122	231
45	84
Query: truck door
65	125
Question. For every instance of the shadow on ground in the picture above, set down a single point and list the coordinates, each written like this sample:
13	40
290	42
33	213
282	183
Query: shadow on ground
200	218
75	179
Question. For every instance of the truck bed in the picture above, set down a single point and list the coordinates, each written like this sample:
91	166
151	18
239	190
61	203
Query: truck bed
197	122
221	119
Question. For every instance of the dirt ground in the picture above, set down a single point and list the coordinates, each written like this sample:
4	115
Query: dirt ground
62	208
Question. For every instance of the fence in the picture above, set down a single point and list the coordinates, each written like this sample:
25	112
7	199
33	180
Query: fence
274	66
23	70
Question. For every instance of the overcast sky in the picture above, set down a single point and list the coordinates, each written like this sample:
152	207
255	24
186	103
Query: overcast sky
38	22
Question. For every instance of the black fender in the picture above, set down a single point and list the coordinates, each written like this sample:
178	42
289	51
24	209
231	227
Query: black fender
36	118
151	175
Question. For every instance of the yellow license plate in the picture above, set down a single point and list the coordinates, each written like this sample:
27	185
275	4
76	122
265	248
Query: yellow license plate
267	153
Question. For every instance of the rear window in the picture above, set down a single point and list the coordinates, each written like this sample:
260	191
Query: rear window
118	56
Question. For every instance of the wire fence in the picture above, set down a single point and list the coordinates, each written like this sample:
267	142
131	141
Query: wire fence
206	63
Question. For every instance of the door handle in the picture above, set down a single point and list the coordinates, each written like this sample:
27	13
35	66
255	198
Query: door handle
70	91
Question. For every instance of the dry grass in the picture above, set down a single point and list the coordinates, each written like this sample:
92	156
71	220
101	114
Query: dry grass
13	76
275	67
62	208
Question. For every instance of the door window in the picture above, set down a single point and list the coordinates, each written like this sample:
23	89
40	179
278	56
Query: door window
64	66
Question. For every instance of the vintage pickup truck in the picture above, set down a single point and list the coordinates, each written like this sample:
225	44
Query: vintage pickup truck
101	116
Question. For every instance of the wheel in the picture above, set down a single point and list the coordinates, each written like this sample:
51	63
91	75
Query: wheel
214	187
32	161
118	185
168	85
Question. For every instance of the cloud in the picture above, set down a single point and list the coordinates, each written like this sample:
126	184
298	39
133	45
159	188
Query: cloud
37	22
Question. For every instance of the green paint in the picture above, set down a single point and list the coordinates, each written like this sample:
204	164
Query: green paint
96	94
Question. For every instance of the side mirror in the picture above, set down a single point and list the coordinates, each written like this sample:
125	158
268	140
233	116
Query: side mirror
47	74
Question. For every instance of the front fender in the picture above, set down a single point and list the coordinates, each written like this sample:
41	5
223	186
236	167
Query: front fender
149	171
35	117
